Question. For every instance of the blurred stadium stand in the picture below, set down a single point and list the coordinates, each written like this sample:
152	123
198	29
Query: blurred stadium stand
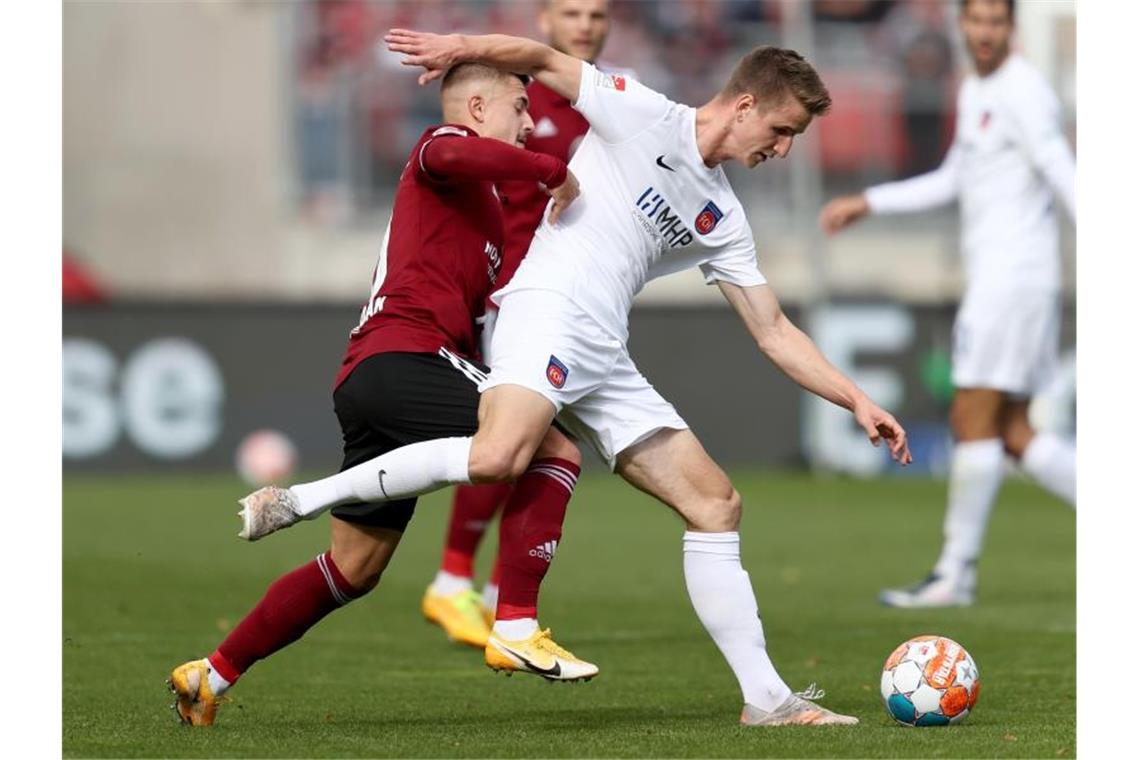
250	150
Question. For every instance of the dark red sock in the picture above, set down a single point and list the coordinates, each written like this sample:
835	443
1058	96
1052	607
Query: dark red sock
293	604
471	513
529	534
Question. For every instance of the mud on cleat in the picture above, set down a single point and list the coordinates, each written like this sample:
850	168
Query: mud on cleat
266	511
538	655
797	710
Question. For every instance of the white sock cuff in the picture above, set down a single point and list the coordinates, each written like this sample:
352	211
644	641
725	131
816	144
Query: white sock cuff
712	543
458	456
981	452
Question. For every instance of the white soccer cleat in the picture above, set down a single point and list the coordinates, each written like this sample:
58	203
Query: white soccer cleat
797	710
933	591
266	511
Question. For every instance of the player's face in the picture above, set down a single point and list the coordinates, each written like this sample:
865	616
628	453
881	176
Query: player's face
576	27
504	113
987	27
764	131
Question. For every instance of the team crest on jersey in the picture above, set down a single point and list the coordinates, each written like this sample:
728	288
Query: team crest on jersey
708	218
556	372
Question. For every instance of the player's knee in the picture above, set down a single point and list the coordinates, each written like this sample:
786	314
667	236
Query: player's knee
1015	439
720	514
490	463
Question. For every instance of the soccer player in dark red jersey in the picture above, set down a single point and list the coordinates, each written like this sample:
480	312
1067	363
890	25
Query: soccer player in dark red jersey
578	28
408	375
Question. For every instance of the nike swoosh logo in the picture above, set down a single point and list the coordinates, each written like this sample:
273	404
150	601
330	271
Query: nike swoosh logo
553	671
663	165
381	475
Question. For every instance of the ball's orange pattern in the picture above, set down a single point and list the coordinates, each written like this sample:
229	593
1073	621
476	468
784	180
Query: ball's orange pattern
954	701
942	670
974	694
896	656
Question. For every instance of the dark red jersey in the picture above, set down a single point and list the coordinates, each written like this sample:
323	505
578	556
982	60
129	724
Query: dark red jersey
442	252
558	129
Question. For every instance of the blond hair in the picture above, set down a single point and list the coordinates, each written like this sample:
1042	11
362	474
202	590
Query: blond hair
771	73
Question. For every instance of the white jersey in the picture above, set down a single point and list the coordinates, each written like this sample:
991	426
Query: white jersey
1008	160
649	206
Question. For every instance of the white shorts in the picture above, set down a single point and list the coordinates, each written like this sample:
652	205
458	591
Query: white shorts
1008	343
545	343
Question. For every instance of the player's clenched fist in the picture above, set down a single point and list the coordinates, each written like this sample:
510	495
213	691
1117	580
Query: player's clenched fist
563	196
843	212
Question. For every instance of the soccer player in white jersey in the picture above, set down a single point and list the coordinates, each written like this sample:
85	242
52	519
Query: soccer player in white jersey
654	200
1008	163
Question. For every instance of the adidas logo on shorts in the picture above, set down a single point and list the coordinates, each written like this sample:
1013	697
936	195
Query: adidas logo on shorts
544	551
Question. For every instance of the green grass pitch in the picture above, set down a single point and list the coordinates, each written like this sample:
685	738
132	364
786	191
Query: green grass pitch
153	575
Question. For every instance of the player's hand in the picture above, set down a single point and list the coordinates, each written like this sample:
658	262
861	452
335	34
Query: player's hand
563	196
843	212
880	425
435	52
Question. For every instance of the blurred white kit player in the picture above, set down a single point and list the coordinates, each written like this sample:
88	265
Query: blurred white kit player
654	200
1007	167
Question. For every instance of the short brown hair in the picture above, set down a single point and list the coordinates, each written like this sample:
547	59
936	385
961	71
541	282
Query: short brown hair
461	73
769	73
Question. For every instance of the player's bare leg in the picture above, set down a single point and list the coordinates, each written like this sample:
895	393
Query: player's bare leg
672	466
1047	457
977	468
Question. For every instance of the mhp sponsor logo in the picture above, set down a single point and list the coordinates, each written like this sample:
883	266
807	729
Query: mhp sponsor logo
664	219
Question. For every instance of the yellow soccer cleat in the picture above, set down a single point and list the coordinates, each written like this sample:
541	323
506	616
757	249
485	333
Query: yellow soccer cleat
538	655
460	615
196	703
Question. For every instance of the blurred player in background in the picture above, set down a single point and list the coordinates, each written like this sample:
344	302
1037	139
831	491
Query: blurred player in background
1008	163
655	201
577	28
407	376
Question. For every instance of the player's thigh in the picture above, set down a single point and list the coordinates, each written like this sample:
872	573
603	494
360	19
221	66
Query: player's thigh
546	354
513	422
674	467
362	552
394	399
975	413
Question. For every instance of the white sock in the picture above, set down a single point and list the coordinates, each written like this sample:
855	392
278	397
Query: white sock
722	595
218	685
1052	461
446	583
515	630
976	472
407	471
491	595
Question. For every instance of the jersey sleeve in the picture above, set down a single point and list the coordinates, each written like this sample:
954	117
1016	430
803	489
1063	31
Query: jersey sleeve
735	261
1036	116
926	191
618	107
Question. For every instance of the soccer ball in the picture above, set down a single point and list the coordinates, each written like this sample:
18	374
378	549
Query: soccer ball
930	681
264	457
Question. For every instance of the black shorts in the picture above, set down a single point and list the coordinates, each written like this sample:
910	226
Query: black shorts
393	399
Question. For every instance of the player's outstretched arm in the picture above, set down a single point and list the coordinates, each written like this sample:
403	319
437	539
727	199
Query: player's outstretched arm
439	52
801	360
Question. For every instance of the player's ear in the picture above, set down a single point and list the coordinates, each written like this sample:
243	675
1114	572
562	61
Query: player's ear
744	103
477	108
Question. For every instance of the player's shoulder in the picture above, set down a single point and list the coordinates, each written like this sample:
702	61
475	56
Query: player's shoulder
447	130
1021	80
